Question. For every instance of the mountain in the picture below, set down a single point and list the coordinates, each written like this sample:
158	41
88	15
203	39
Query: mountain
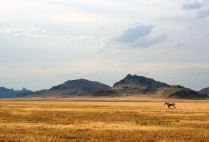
106	93
140	85
24	92
79	87
140	81
33	94
7	93
10	93
186	93
205	91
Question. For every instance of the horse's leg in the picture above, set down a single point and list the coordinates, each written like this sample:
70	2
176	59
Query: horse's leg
174	106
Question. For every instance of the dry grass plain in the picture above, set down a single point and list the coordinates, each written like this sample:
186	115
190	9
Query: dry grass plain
95	120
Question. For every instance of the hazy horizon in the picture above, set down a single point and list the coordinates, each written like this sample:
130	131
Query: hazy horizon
47	42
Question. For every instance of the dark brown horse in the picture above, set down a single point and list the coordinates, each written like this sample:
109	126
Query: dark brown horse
170	104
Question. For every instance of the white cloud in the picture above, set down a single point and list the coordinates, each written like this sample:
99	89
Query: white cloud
203	13
193	5
139	35
202	7
135	32
29	31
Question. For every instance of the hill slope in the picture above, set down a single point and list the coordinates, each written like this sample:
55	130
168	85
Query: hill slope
79	87
205	91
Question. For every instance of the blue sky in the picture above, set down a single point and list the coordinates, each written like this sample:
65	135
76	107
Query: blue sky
47	42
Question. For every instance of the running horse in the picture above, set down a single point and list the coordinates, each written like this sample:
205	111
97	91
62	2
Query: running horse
170	104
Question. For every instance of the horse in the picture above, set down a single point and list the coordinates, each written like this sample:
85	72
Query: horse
170	104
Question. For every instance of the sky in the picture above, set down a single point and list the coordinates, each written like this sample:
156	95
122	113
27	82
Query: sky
47	42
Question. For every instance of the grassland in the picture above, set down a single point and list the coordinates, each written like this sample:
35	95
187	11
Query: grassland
87	120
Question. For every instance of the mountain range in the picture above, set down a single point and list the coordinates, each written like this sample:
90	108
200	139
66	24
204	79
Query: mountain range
139	85
10	93
130	85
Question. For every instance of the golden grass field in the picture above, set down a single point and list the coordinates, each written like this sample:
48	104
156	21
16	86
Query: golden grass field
95	120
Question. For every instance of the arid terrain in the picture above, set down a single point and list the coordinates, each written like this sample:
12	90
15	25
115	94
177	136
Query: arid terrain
103	119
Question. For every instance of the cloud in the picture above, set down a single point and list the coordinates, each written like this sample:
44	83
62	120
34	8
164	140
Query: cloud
204	13
148	41
29	31
202	7
193	5
22	31
134	32
139	35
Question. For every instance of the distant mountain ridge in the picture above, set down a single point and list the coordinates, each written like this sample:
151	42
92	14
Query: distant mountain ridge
140	81
140	85
204	91
79	87
130	85
10	93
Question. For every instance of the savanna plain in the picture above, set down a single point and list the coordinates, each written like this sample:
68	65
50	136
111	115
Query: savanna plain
103	119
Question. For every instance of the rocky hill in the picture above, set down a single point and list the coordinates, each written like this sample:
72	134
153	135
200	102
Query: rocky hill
205	91
140	81
139	85
80	87
10	93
